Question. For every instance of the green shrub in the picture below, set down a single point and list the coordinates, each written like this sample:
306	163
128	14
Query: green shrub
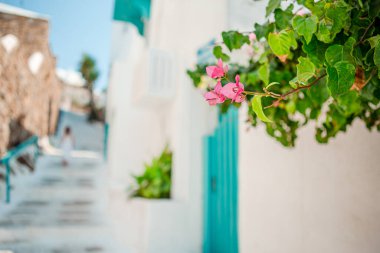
155	182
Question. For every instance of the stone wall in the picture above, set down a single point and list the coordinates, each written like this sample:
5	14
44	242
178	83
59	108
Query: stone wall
29	88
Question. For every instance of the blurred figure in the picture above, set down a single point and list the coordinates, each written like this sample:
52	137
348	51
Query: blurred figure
67	145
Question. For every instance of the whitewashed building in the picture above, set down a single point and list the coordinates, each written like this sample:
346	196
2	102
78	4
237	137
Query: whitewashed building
313	198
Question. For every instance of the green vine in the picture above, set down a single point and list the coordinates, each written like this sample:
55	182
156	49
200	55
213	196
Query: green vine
319	63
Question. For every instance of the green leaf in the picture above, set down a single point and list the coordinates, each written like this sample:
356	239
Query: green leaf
283	17
373	41
349	103
307	3
272	5
374	8
305	26
280	43
334	54
337	53
218	53
319	92
290	107
376	58
272	84
336	16
293	83
324	31
340	78
305	70
196	75
339	13
252	78
315	50
234	39
318	8
262	31
264	73
258	109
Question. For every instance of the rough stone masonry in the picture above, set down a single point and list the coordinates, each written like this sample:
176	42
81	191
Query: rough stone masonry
29	88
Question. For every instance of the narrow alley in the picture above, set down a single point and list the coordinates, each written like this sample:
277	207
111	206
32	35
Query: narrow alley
58	209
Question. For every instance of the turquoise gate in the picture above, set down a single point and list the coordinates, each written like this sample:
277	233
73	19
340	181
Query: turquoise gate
221	184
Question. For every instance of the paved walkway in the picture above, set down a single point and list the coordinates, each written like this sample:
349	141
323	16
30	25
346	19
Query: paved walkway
60	210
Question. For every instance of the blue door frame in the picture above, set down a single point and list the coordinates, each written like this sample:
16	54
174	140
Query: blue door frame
221	186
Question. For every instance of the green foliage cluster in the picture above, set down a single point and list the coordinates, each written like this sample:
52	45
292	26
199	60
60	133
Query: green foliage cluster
90	73
155	182
321	66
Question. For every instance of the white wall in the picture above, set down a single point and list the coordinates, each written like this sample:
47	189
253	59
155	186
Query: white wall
139	131
134	131
313	198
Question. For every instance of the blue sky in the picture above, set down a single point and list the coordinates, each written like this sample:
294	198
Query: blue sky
76	26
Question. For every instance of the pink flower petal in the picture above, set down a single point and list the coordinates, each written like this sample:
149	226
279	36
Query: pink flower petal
218	72
210	70
218	87
211	98
220	63
229	90
252	36
239	98
225	68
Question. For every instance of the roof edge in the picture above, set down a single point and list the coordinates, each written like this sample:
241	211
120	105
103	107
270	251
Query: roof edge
9	9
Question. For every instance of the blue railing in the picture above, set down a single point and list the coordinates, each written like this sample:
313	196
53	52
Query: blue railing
12	154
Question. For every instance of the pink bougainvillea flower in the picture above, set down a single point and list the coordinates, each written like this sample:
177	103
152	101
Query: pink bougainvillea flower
301	12
234	91
215	96
252	37
217	71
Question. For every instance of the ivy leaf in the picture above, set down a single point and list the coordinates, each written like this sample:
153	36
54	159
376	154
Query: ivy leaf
334	54
293	83
339	13
305	70
283	17
258	109
337	53
324	31
234	39
336	17
264	73
373	41
272	5
262	31
315	50
305	26
318	8
340	78
349	46
349	103
319	93
218	53
280	43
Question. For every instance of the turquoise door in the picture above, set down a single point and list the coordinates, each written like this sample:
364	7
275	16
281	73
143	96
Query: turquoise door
221	184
